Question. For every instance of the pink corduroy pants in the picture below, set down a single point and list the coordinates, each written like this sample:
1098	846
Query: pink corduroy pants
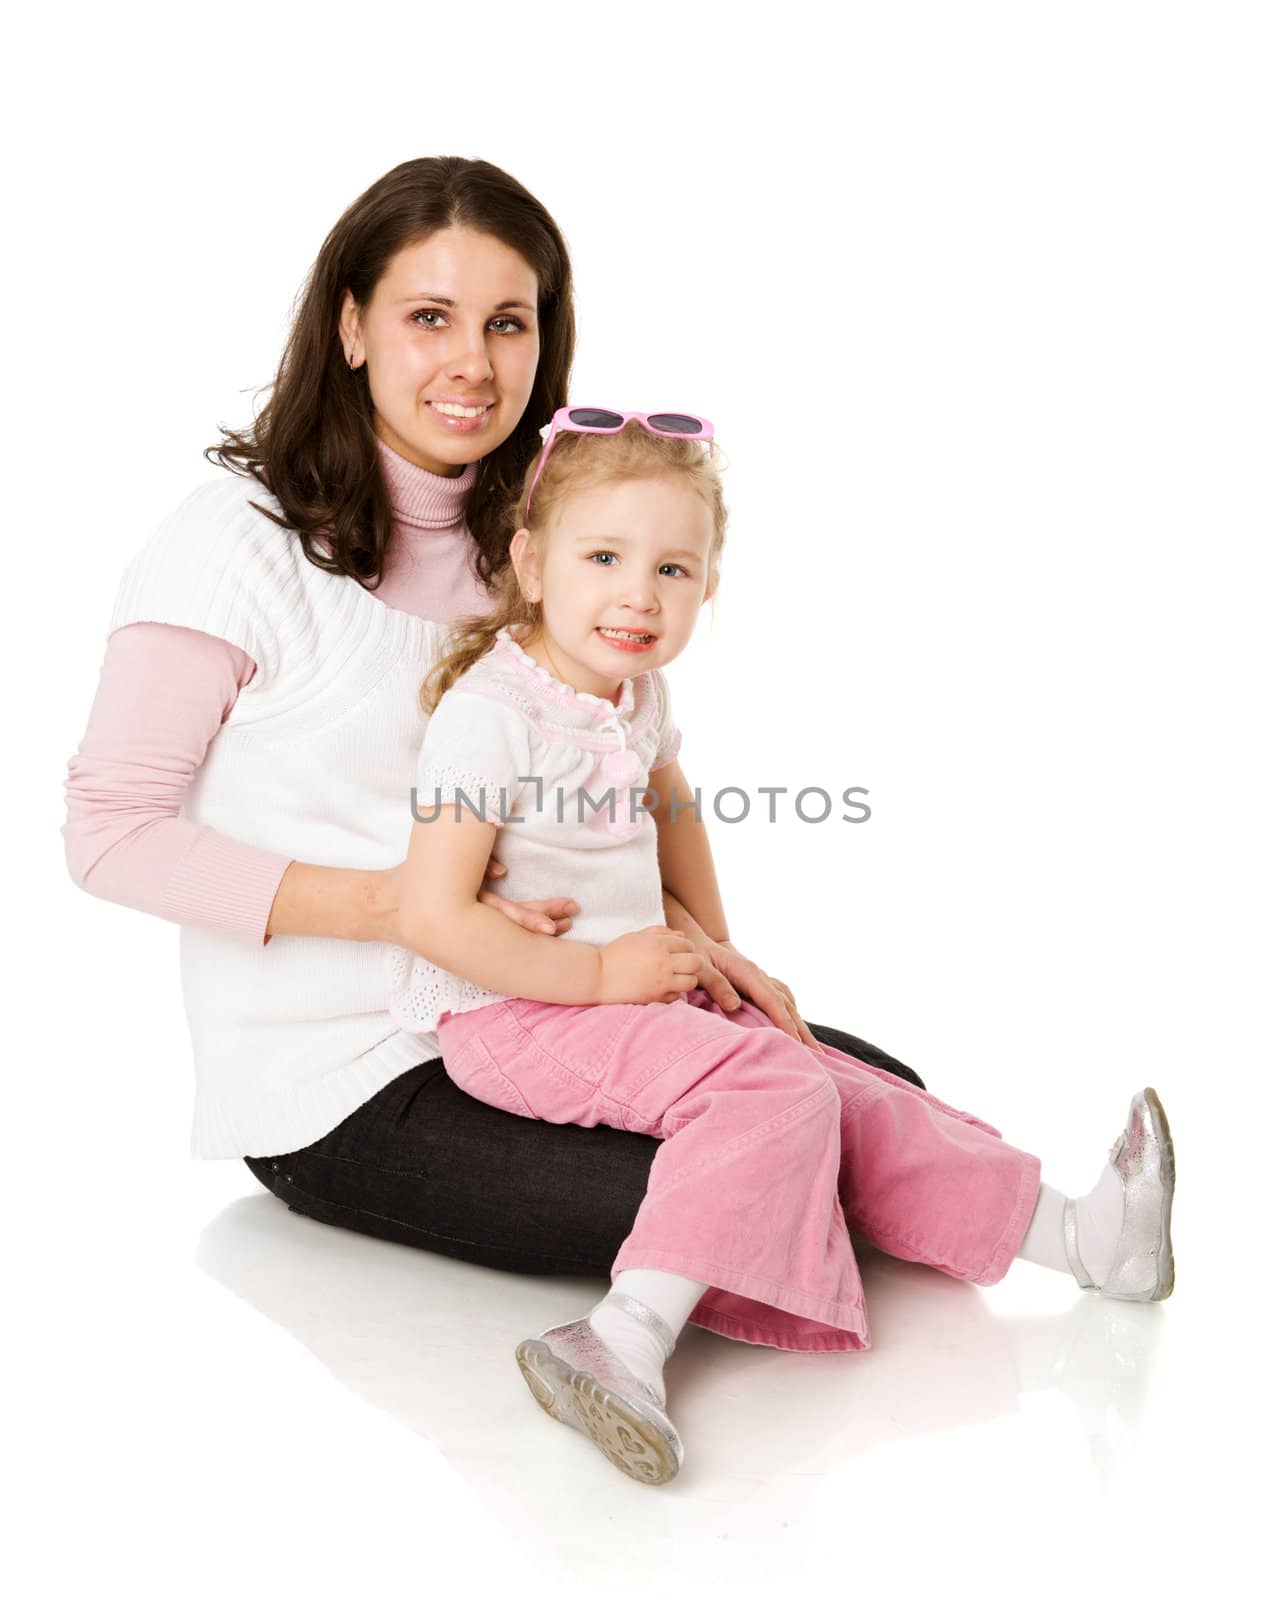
771	1153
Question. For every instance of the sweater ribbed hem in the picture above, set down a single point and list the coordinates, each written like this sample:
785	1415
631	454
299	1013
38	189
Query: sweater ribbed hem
276	1124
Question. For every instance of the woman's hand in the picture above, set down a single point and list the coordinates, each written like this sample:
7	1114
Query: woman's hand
726	974
767	993
537	916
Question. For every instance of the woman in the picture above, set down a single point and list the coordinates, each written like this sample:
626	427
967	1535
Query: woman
260	678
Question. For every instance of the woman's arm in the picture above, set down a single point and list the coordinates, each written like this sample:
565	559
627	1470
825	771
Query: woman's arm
162	695
335	903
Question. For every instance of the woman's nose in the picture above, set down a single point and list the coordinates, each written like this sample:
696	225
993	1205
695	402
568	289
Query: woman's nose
469	359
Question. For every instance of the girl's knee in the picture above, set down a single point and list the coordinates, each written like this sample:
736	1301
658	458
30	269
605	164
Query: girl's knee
794	1064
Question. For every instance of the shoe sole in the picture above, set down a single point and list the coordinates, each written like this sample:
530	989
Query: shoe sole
1165	1266
624	1436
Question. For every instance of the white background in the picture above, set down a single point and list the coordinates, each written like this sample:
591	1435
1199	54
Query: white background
978	297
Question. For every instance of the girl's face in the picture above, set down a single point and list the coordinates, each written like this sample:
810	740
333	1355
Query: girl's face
627	557
451	343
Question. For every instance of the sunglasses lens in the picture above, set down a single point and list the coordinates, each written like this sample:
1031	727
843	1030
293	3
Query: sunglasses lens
674	422
583	417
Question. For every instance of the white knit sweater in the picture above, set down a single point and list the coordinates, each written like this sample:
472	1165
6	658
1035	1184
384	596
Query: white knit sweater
316	759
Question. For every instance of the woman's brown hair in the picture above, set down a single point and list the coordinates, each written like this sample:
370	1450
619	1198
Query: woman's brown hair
313	443
577	461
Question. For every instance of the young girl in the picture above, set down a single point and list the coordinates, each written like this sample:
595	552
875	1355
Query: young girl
551	726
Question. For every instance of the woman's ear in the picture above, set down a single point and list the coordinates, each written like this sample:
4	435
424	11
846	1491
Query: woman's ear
351	339
522	555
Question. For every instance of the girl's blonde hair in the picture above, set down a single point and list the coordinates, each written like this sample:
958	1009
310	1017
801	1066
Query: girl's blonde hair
578	461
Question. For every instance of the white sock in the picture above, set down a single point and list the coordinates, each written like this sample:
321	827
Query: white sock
1043	1243
673	1297
1099	1217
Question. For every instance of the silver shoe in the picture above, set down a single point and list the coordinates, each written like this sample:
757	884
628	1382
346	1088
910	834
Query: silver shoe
578	1380
1142	1155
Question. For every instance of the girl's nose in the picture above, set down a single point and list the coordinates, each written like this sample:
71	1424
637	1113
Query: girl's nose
641	595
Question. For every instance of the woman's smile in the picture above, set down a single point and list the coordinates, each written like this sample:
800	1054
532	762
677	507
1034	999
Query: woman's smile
458	417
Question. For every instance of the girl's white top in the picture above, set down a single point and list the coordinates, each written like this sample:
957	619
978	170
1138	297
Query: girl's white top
564	775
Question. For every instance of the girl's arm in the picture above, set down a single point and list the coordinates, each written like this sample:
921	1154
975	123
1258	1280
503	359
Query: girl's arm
692	906
685	856
443	920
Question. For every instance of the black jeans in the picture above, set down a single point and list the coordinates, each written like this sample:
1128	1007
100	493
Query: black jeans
423	1163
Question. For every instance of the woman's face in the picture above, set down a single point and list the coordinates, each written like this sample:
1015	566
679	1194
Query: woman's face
451	343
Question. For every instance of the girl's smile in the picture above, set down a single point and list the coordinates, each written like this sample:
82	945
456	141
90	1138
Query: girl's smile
634	643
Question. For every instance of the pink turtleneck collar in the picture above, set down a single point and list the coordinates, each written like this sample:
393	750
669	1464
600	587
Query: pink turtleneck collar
423	500
429	570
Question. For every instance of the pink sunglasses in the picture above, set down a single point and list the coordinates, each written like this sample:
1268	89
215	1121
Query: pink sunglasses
594	419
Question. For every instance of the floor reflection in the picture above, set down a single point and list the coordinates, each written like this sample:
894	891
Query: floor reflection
430	1341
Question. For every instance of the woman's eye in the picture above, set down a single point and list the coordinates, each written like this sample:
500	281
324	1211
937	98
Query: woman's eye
502	325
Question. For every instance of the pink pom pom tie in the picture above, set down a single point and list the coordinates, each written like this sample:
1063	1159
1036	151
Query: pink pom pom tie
622	771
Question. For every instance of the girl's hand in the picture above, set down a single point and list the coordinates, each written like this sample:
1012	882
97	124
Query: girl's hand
538	916
652	966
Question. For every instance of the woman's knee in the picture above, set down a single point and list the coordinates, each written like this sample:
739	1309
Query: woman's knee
267	1170
849	1044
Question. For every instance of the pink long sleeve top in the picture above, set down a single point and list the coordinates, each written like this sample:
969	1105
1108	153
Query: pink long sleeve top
163	693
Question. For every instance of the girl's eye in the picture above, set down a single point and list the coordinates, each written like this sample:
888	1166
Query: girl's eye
674	565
